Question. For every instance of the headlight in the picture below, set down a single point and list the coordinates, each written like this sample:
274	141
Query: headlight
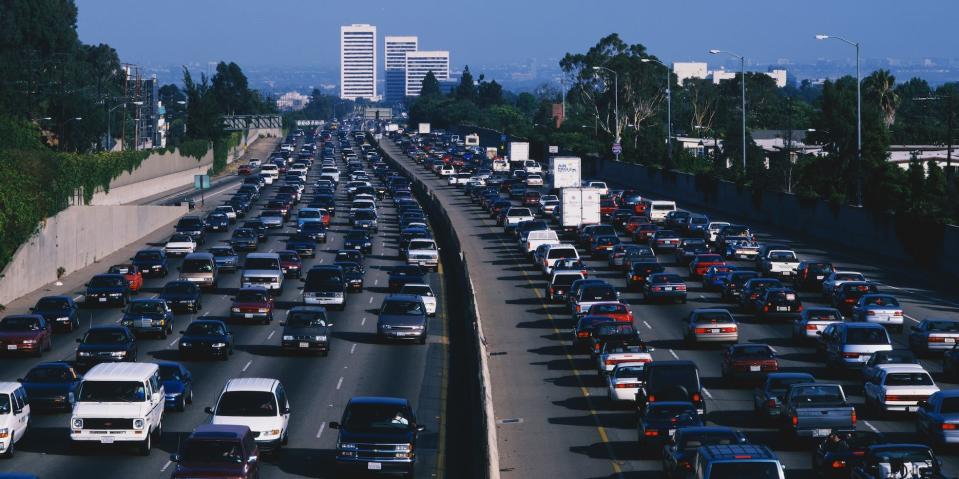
219	345
287	338
84	354
263	310
65	318
185	344
404	447
4	433
138	424
320	338
126	322
347	446
417	327
172	395
77	423
114	294
118	354
29	341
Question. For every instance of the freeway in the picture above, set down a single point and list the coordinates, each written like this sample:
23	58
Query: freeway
554	419
318	387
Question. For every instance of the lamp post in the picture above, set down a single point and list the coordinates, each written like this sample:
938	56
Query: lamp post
858	113
136	126
669	105
742	67
615	98
110	125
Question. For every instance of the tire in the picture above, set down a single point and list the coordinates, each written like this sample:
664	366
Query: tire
181	404
9	453
163	333
189	397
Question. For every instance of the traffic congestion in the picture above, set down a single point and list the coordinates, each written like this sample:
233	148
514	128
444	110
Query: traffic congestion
293	327
699	347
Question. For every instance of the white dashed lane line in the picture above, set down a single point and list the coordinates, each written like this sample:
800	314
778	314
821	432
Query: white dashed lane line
870	426
647	325
248	364
271	335
674	354
339	383
320	432
352	348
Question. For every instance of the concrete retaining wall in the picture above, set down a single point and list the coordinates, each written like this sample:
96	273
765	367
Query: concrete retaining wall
77	237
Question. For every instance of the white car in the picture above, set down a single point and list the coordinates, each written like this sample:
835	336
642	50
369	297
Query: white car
555	252
180	245
423	252
534	180
515	214
613	354
835	279
425	292
531	166
258	403
228	211
898	387
446	170
255	163
624	381
712	230
14	416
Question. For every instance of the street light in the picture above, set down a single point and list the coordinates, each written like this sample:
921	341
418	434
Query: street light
858	114
742	65
615	98
110	126
669	105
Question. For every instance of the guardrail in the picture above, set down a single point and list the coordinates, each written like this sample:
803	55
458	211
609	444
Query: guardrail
472	354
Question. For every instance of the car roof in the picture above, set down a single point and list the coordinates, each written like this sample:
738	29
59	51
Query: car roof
902	368
403	297
307	309
8	387
199	255
120	372
789	375
262	255
393	401
251	384
219	431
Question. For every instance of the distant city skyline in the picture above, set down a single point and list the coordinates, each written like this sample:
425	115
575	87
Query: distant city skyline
300	33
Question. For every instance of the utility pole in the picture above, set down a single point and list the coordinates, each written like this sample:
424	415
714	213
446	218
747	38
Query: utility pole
742	65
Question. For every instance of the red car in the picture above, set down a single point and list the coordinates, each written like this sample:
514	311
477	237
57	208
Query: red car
531	198
607	206
634	222
25	333
132	274
702	262
244	170
252	303
749	360
642	232
290	263
618	312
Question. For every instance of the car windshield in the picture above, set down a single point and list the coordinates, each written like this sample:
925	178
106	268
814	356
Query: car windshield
713	318
373	418
782	256
908	455
20	323
181	239
615	329
300	319
207	451
169	372
694	242
693	440
634	372
244	233
867	336
247	404
895	357
558	253
422	245
220	252
261	263
402	307
782	384
105	336
147	256
818	395
518	212
417	290
888	301
365	215
144	307
308	214
106	282
290	256
753	352
608	308
203	329
179	288
909	379
823	315
848	277
120	269
196	266
743	468
250	296
666	279
49	375
111	391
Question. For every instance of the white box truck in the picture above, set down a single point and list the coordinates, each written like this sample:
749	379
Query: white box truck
424	128
518	151
580	206
565	171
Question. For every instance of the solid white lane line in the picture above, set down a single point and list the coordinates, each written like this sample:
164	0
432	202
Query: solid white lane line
248	363
674	354
647	325
911	318
706	392
363	321
773	350
206	313
271	335
320	432
165	466
339	383
376	282
870	426
371	300
173	343
352	348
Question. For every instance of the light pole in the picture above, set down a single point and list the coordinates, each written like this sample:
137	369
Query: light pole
110	125
136	126
742	67
669	105
615	98
858	114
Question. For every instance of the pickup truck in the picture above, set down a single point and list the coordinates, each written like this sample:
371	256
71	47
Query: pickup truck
899	461
778	263
815	410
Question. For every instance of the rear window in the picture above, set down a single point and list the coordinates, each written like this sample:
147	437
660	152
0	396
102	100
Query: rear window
663	377
666	279
782	384
598	294
743	468
566	279
866	336
712	318
944	326
909	379
663	207
558	253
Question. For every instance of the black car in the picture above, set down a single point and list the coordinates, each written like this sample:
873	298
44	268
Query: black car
735	280
151	262
307	328
838	454
217	222
358	240
148	315
314	230
206	337
353	272
671	381
182	296
302	244
244	239
106	344
258	227
106	290
60	311
349	255
753	289
377	430
662	419
193	226
810	275
50	386
405	274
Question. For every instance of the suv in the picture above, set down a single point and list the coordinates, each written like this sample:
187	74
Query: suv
377	434
258	403
14	416
671	381
737	460
219	450
263	269
97	418
325	285
403	317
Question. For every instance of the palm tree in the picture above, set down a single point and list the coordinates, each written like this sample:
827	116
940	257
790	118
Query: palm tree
883	85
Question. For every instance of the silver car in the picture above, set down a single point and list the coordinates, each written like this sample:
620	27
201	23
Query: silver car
711	326
934	335
813	320
881	309
852	344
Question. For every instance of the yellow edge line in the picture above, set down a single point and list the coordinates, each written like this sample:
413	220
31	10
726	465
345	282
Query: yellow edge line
441	314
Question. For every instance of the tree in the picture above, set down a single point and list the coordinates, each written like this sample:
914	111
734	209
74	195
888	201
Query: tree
880	88
230	89
431	86
466	90
204	117
489	93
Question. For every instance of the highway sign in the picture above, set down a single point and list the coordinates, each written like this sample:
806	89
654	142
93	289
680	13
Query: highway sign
201	182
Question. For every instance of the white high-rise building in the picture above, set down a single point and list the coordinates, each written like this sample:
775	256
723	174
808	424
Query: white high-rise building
418	64
684	70
358	62
395	56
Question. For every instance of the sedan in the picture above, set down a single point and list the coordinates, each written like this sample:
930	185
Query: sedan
149	315
307	328
933	335
937	419
303	244
25	333
60	311
615	311
837	458
51	386
711	326
290	263
132	274
813	320
252	303
182	296
679	452
663	418
244	239
177	385
715	277
226	258
768	397
744	361
624	381
180	244
666	286
881	309
206	337
106	344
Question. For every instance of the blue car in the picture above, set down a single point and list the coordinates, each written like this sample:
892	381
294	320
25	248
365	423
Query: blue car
217	222
715	277
937	419
60	311
151	262
663	418
177	385
303	244
107	290
51	386
206	337
226	258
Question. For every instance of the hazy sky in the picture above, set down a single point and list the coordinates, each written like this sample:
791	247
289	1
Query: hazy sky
305	32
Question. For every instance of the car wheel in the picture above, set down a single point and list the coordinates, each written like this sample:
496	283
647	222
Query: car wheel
286	439
9	453
146	445
181	404
163	332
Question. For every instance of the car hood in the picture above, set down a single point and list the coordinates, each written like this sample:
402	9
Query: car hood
18	335
94	348
209	469
113	409
399	437
312	331
254	423
176	296
36	390
402	320
110	289
203	337
173	386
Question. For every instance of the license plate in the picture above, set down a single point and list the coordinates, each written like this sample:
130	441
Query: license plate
671	432
304	345
107	439
11	347
359	247
668	288
714	331
754	369
819	277
782	308
949	340
374	466
248	315
103	300
821	432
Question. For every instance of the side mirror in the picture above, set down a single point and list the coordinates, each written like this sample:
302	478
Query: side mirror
330	325
818	333
181	332
282	323
334	425
208	410
174	457
286	410
19	380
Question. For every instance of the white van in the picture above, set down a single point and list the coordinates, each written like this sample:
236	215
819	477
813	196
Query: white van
258	403
14	416
555	253
659	209
119	402
270	173
536	238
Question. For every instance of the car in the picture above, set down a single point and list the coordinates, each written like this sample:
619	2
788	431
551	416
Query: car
25	333
898	387
252	303
307	328
624	381
108	290
227	210
290	263
702	262
747	361
106	344
272	218
180	244
740	247
402	317
325	285
260	404
422	252
614	332
592	294
662	419
638	273
615	352
182	296
664	240
315	230
933	335
132	274
812	321
811	274
893	356
177	385
358	240
881	309
349	255
378	434
711	325
832	281
711	232
734	282
148	315
200	268
714	277
613	310
404	274
263	270
559	284
937	418
206	337
680	450
689	248
768	397
15	411
909	461
847	295
777	303
220	450
644	232
843	451
217	222
192	226
584	329
850	345
258	227
225	258
51	386
60	311
753	289
353	274
664	286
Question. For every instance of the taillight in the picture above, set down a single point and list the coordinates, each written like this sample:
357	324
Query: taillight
811	327
853	417
795	420
850	301
936	340
838	464
771	403
651	433
582	334
700	330
892	397
850	355
766	308
870	313
636	277
651	398
897	313
948	427
696	397
625	386
799	309
728	330
681	287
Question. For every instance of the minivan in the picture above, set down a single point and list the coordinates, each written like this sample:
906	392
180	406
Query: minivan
736	461
200	268
258	403
14	416
671	381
